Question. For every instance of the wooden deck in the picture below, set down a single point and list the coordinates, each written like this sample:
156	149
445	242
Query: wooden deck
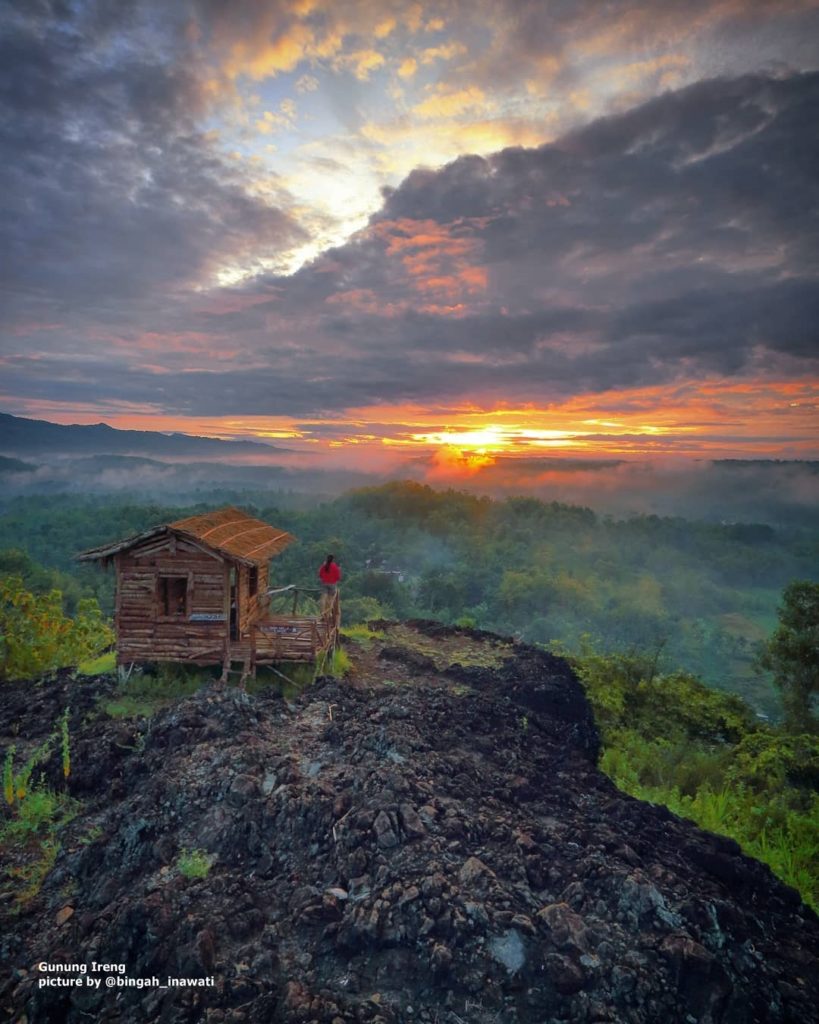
275	638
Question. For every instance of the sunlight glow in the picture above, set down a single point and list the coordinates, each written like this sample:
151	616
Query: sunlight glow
709	419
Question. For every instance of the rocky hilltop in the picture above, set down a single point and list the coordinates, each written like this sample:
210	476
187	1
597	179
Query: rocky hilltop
429	840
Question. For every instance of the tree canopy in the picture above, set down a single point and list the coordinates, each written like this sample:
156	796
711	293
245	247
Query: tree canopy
792	653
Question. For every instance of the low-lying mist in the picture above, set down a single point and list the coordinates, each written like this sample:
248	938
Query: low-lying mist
759	491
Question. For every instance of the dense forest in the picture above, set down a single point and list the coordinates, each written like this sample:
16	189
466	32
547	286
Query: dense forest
699	596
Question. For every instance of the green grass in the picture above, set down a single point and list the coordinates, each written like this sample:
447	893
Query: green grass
444	651
29	841
144	695
91	836
788	843
101	666
339	664
194	863
290	679
363	634
335	663
28	877
702	753
40	812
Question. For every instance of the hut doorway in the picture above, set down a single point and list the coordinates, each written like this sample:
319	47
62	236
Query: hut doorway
234	609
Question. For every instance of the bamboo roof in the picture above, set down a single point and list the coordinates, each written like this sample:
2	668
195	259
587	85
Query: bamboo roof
227	531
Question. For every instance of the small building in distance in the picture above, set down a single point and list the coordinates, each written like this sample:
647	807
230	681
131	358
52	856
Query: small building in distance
195	591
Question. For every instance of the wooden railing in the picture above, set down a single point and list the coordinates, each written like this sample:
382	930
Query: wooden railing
293	636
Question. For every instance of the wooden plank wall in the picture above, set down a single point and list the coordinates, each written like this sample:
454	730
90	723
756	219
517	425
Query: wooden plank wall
144	632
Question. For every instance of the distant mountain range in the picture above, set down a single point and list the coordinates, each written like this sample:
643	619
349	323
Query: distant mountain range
19	435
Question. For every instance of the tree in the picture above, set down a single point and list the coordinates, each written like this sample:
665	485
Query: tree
792	653
36	636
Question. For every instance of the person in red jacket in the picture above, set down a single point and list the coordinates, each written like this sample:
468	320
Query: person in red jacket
329	574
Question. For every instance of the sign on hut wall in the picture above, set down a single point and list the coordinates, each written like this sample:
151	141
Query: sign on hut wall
206	617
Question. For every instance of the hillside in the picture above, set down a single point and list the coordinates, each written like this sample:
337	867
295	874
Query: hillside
428	840
19	435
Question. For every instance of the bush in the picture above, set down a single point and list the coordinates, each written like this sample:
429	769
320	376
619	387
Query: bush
339	664
670	739
36	636
29	837
194	863
358	610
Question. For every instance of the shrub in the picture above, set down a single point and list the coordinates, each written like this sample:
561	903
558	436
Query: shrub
194	863
36	637
28	839
339	664
358	610
672	740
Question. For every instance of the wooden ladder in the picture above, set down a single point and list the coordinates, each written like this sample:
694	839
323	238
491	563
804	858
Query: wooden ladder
248	662
245	671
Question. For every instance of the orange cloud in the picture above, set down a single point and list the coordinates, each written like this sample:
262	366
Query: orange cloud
444	52
259	61
285	117
451	104
439	262
365	300
451	462
718	418
360	62
712	419
384	28
407	67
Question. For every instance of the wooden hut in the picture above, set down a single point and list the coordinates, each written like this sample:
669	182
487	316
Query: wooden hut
195	591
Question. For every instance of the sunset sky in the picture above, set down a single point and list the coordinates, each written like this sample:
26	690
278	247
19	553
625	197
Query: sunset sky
380	231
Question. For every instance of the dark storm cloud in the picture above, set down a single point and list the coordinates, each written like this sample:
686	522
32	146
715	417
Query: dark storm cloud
109	193
677	239
551	42
674	240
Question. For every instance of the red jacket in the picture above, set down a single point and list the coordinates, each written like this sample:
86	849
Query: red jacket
329	575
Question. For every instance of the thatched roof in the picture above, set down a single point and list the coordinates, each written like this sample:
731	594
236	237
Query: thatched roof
235	533
228	531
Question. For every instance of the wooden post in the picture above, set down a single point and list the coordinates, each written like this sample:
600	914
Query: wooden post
226	607
117	588
226	660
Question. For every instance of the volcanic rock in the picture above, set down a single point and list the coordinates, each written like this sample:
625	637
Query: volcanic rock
445	850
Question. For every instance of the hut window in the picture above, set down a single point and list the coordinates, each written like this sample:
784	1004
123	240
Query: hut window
253	581
173	595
